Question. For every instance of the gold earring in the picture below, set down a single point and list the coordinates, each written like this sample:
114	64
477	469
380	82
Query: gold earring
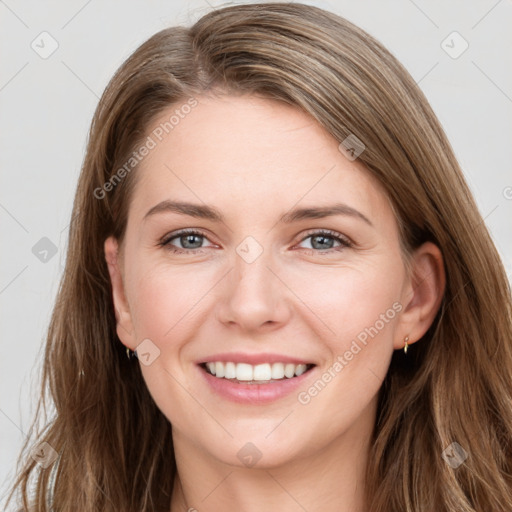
128	354
406	339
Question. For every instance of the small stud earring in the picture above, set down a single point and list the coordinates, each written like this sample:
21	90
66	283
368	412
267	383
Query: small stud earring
406	339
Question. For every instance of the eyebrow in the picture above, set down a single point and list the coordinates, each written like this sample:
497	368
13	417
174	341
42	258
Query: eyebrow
210	213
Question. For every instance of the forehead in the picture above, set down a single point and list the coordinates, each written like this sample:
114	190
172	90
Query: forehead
248	151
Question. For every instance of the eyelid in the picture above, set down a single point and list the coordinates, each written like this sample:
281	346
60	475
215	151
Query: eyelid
345	241
164	241
329	232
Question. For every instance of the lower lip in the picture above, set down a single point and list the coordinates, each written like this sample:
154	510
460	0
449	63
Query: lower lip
254	393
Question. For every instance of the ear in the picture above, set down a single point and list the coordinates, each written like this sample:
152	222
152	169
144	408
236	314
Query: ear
124	326
422	294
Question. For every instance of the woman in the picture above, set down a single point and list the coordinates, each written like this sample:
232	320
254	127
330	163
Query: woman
270	215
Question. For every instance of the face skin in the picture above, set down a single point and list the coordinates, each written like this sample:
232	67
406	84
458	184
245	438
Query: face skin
255	160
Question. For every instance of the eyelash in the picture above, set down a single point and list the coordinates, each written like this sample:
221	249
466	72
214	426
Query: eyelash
344	241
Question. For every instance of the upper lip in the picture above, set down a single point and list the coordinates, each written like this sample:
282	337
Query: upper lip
252	359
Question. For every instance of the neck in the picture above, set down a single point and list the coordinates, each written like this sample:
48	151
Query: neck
329	478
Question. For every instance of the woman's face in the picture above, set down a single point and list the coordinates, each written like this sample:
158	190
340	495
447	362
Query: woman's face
294	260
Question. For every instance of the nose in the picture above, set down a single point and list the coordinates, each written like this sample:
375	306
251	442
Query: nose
253	296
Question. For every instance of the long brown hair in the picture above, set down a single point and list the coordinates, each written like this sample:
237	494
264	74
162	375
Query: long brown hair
455	386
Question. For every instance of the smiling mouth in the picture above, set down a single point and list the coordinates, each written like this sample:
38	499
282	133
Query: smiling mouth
265	373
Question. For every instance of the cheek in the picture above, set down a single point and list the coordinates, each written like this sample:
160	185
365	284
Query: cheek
348	302
166	309
362	312
165	300
358	308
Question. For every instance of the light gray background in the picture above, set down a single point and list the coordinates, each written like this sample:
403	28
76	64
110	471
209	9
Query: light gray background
47	105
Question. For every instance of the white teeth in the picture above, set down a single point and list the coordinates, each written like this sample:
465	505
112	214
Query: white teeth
301	368
219	369
289	370
260	372
277	371
243	371
230	371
